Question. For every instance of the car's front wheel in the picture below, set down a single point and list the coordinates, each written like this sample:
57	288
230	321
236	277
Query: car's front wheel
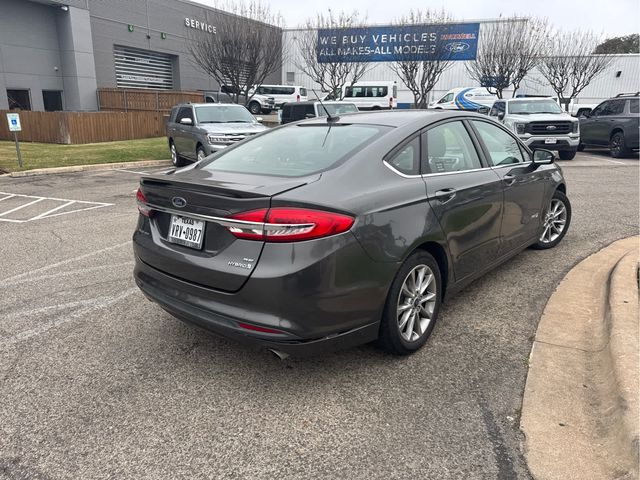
412	305
200	153
176	159
556	220
617	146
567	154
255	108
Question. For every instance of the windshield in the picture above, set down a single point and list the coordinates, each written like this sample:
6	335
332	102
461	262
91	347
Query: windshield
296	150
524	107
336	108
223	114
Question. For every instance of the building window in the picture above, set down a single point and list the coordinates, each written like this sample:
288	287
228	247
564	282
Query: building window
52	100
291	78
19	99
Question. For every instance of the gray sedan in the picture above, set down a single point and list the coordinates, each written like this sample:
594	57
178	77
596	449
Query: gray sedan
333	232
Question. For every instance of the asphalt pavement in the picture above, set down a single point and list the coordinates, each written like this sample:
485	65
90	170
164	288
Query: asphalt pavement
96	382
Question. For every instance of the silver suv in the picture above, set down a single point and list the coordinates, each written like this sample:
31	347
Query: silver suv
540	123
195	130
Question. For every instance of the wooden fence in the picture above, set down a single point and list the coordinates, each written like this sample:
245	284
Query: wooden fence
85	127
127	100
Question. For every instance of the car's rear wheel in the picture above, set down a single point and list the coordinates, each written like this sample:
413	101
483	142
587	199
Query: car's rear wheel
255	108
200	153
617	146
412	305
557	218
567	154
176	159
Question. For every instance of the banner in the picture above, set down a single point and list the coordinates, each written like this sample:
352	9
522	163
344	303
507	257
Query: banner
454	41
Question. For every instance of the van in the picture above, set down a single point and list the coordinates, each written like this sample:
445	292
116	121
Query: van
465	98
372	95
281	93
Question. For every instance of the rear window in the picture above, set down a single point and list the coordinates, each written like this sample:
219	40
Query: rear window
633	105
295	151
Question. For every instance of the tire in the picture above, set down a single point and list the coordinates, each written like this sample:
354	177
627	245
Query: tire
567	154
200	153
255	108
617	146
176	159
550	236
581	147
405	338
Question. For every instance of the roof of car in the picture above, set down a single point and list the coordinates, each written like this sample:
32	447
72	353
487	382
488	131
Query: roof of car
528	99
326	102
397	118
209	104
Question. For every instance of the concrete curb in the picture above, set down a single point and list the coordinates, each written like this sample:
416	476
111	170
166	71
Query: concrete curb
574	416
84	168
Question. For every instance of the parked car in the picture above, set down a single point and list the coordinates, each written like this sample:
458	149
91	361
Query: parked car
292	112
465	98
195	130
324	234
256	104
372	95
613	124
280	93
539	122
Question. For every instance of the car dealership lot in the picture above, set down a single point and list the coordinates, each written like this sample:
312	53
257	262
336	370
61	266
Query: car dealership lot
96	382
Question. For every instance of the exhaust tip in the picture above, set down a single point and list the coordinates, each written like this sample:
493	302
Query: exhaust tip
279	354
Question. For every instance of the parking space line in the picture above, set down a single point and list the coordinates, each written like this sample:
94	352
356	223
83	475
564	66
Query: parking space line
71	211
614	161
8	196
21	206
59	207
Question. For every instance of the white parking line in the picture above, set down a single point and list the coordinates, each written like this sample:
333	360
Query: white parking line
65	202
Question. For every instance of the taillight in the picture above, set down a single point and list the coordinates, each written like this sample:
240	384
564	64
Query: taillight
284	224
256	328
141	200
390	102
297	98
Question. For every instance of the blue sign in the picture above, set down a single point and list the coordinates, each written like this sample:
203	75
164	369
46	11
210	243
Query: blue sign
454	41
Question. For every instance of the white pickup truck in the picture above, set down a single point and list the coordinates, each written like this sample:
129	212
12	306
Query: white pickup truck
540	123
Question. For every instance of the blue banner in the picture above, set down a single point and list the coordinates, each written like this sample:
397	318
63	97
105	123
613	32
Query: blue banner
454	41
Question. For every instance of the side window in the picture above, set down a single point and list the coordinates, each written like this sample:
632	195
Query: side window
497	108
503	148
185	112
447	98
599	109
407	158
634	103
616	107
449	149
303	91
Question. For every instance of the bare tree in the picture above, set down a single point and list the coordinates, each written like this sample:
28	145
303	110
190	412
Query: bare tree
331	72
508	49
245	48
420	76
570	65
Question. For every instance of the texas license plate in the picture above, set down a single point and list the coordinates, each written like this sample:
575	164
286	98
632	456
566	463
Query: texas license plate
186	231
550	141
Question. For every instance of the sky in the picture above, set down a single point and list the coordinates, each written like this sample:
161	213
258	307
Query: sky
607	17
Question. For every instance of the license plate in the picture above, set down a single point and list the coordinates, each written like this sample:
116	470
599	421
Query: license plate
550	141
186	231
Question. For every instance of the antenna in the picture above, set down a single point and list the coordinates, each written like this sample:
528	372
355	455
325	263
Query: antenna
330	118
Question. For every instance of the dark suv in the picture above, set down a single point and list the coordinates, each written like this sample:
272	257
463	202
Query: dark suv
613	124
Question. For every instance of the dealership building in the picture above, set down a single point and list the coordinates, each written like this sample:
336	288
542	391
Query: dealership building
56	54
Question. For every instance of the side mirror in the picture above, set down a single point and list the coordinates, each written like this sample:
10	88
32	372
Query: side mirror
483	110
309	115
584	114
259	119
543	157
500	115
186	121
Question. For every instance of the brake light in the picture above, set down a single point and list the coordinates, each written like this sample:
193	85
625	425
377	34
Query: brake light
285	224
390	102
297	98
255	328
141	200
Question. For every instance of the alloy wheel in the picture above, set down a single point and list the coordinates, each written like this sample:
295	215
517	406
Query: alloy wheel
555	221
174	155
616	145
416	303
201	155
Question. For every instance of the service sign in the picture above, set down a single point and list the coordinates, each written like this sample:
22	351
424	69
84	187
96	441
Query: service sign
13	119
454	41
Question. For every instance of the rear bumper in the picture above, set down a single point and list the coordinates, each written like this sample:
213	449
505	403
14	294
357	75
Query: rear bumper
317	303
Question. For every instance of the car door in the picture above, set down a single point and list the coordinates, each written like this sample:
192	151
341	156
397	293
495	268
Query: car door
589	126
612	117
464	194
184	138
523	184
498	111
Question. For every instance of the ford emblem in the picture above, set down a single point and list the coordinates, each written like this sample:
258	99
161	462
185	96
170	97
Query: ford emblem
179	202
551	127
457	47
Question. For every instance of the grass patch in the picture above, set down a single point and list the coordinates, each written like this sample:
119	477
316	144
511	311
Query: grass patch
46	155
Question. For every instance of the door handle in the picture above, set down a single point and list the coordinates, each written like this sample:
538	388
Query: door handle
509	180
445	194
